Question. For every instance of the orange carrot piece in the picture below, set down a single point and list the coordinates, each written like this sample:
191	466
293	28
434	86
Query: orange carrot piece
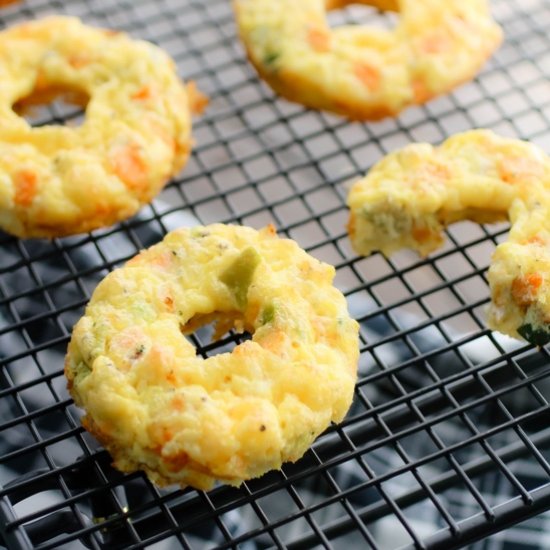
435	171
78	61
435	43
421	234
130	167
420	91
171	378
197	100
514	169
25	187
368	75
273	341
318	39
169	302
536	239
163	261
524	288
177	403
270	230
143	93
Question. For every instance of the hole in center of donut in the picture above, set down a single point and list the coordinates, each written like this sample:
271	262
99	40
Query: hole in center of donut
215	333
53	104
381	14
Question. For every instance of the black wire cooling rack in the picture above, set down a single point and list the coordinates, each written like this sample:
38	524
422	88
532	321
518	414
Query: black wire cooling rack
448	440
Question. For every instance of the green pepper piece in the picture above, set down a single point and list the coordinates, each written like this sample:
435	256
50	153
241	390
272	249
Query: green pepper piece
268	314
238	276
538	337
270	58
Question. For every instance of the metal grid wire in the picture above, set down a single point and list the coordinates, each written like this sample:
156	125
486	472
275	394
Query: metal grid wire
448	440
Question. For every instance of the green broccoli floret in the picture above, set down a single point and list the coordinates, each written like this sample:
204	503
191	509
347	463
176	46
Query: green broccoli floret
536	336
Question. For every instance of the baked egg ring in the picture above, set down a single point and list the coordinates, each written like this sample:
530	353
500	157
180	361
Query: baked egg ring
158	407
408	198
60	180
360	72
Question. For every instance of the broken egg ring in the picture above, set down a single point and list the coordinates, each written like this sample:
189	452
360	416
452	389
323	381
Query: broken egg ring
408	198
361	72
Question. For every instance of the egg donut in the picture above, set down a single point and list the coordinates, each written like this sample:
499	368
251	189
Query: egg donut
408	198
360	72
61	180
158	407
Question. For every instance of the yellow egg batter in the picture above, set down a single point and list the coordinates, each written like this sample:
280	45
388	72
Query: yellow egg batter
411	195
360	72
57	180
160	408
